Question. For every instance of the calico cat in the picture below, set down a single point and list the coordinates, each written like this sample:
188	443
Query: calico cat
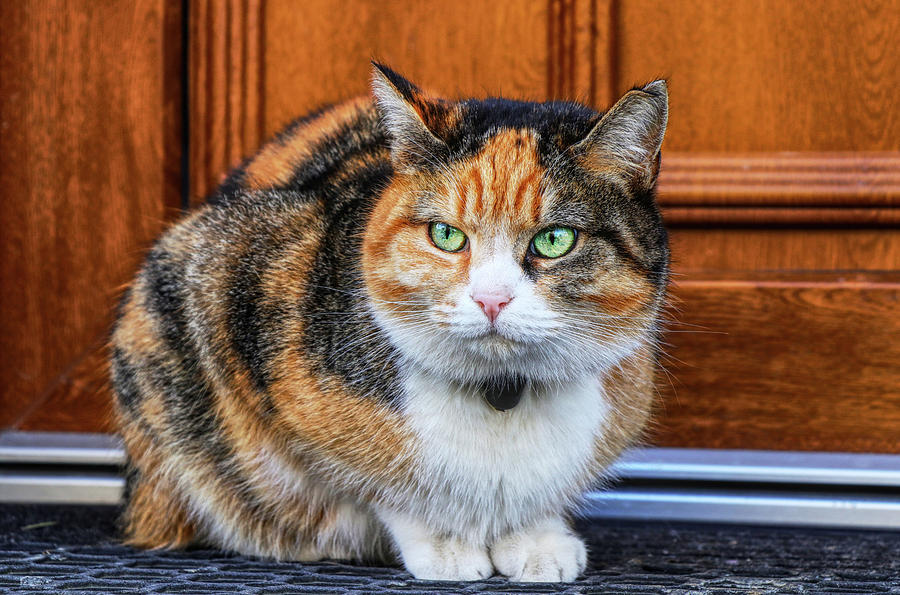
408	329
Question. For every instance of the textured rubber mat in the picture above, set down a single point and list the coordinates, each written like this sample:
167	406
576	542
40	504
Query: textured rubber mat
74	549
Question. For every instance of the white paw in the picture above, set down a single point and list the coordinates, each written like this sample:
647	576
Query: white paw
549	553
447	559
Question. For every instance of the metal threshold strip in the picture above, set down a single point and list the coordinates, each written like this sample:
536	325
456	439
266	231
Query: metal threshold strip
664	484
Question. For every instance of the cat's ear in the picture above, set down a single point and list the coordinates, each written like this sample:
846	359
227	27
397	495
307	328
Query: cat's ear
628	137
416	123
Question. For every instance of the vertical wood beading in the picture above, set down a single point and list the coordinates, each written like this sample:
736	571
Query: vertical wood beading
581	49
225	88
90	106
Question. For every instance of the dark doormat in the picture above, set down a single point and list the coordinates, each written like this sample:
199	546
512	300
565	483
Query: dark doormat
74	549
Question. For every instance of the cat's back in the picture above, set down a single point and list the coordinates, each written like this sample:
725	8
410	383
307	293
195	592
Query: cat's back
215	300
315	181
321	155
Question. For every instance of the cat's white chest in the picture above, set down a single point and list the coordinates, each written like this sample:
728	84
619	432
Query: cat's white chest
487	469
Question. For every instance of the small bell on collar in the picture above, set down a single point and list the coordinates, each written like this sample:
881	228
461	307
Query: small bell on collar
505	392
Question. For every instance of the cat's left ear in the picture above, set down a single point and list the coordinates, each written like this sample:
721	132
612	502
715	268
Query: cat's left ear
417	124
628	137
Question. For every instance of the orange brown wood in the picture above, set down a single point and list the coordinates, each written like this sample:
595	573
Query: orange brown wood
225	66
317	52
768	75
781	189
80	400
780	179
724	251
795	362
581	50
808	179
90	111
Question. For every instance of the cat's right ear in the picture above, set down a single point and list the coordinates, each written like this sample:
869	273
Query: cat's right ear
417	124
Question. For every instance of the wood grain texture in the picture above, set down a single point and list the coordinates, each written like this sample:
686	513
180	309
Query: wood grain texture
802	362
781	189
769	75
808	179
730	250
225	99
89	110
317	52
775	216
80	400
580	51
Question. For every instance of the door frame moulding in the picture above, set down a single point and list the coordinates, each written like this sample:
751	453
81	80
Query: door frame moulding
819	189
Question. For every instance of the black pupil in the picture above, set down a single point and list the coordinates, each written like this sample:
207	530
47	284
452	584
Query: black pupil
446	232
552	237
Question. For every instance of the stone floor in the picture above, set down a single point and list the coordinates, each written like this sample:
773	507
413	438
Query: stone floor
74	549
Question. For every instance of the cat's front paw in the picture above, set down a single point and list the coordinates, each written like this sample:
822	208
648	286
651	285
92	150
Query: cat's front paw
447	559
545	553
428	555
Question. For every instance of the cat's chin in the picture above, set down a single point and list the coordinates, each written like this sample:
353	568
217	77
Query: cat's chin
473	359
497	343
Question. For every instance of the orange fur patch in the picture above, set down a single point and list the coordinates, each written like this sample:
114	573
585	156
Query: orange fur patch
505	180
277	161
135	333
623	293
497	189
355	431
630	389
335	424
154	519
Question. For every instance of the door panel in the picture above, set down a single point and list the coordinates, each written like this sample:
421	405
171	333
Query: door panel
783	361
780	179
318	52
91	146
768	75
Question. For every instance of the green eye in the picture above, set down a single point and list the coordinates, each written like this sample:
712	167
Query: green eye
446	237
554	242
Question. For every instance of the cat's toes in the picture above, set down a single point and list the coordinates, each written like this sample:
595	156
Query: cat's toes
448	560
551	555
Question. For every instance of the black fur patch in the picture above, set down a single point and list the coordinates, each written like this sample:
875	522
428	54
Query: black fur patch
124	380
178	376
341	334
251	321
557	124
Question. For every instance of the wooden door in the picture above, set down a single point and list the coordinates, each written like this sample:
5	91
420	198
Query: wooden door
781	186
91	143
780	181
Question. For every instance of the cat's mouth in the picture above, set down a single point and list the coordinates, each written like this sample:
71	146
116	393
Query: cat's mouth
511	335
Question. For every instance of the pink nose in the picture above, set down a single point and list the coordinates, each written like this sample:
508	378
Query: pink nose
492	303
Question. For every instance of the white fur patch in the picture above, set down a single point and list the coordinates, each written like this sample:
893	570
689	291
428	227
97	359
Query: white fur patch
547	552
487	472
436	557
454	340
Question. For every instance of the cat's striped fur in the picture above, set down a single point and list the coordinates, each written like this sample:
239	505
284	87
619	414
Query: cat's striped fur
298	366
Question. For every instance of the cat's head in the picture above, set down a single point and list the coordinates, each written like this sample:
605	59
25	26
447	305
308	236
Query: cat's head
517	238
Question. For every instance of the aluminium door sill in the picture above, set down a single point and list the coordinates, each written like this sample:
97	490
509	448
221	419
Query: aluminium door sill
647	484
